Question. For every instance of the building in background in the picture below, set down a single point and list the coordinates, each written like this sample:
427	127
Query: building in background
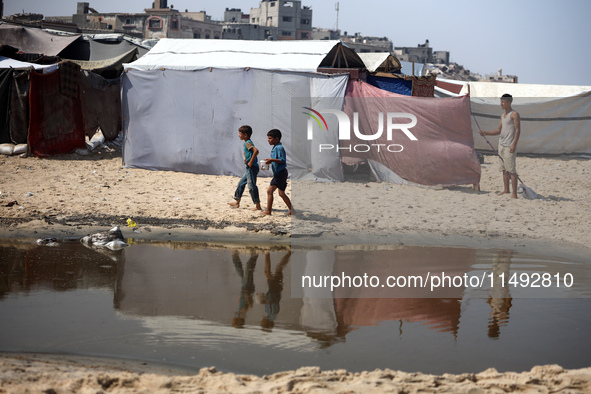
160	21
366	44
422	53
292	20
237	26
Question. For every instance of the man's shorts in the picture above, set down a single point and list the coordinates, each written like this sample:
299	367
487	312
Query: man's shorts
508	162
280	179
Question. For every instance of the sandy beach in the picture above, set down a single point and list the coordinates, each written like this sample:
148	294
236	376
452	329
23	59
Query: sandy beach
73	195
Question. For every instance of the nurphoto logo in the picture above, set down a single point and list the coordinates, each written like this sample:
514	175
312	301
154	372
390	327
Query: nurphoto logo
344	132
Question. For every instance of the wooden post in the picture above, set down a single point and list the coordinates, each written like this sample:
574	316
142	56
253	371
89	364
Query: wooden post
476	185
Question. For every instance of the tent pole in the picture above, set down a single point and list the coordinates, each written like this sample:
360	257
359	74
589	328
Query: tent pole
344	57
335	58
413	68
476	185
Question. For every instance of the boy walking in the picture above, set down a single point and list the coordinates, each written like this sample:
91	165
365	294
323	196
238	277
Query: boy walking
509	129
250	154
278	163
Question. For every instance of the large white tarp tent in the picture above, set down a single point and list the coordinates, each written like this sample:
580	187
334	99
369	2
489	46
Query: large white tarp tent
183	102
300	56
555	119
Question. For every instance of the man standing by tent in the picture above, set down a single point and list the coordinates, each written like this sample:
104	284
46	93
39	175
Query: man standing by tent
509	129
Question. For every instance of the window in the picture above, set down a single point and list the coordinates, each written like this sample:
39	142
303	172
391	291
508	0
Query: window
287	19
128	21
154	22
174	23
305	21
272	4
197	34
305	35
286	33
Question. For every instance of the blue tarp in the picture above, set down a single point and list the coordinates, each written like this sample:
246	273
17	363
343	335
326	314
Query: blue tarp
394	85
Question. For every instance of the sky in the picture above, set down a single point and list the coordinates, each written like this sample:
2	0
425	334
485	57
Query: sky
539	41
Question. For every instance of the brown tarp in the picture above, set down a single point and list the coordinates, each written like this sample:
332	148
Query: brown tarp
56	123
31	40
19	106
5	88
115	65
101	104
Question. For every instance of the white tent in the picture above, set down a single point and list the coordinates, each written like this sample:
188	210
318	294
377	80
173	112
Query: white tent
555	119
299	56
183	102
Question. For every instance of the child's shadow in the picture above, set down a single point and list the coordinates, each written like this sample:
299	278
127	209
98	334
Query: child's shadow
314	217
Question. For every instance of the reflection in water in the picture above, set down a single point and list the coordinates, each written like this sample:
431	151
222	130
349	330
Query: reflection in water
247	291
272	298
26	266
500	294
183	295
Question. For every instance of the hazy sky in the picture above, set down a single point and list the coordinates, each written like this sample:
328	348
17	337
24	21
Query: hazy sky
540	41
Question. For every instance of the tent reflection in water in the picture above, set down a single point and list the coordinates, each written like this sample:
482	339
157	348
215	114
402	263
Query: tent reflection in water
202	286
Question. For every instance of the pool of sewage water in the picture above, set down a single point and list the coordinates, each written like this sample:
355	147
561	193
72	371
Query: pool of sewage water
260	310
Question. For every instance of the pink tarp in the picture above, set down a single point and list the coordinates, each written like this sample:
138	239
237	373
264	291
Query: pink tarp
443	153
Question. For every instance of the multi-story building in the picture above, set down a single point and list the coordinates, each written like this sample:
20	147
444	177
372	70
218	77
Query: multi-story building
441	57
420	54
237	26
293	22
160	21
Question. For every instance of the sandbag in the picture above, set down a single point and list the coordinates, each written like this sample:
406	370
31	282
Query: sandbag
7	149
20	149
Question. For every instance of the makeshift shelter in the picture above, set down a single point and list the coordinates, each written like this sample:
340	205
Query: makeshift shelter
38	115
108	68
183	101
386	73
53	113
104	54
443	152
555	119
14	96
32	40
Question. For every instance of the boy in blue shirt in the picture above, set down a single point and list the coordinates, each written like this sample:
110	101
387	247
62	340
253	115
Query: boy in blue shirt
278	163
252	169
